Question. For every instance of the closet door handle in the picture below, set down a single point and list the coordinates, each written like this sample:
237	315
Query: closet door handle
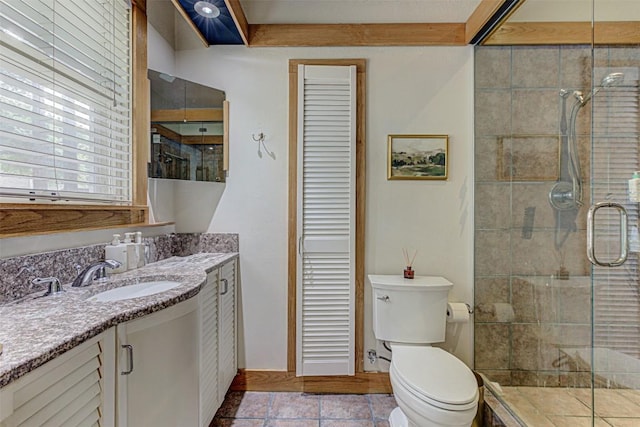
129	349
591	230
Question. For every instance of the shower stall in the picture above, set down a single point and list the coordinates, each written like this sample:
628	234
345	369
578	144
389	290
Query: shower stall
557	290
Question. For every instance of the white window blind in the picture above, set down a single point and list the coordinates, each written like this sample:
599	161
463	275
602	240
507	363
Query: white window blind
616	135
65	100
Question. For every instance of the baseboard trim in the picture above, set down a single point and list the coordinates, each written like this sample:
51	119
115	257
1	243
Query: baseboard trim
263	380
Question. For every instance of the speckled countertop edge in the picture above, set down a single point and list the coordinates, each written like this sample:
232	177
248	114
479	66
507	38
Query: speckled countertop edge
37	329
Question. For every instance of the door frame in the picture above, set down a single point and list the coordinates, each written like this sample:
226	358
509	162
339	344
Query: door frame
292	242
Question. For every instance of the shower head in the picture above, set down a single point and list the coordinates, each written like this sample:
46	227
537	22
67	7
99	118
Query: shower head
611	79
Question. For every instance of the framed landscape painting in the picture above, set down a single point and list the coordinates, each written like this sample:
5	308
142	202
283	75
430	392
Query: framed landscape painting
418	157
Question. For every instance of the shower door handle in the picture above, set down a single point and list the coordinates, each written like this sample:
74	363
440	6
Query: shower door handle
591	228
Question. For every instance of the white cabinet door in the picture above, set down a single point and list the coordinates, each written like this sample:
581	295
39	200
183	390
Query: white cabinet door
208	305
75	389
227	359
158	368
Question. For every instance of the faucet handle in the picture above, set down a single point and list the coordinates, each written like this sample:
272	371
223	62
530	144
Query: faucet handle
53	282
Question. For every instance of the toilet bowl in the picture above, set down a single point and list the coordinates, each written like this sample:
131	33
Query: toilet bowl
433	388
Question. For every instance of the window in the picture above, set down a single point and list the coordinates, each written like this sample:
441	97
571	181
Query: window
65	100
69	154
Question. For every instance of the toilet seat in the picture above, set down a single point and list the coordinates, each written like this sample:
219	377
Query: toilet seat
435	377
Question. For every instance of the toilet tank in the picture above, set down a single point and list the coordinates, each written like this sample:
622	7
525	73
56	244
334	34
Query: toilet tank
409	310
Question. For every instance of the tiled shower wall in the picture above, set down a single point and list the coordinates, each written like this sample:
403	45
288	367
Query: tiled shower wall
525	315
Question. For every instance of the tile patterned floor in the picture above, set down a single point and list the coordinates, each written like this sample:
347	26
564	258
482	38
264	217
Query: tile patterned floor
550	407
271	409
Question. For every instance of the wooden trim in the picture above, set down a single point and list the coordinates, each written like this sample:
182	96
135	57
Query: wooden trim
225	136
480	16
293	66
195	29
292	241
361	383
360	208
428	34
201	140
360	215
140	106
188	114
167	133
235	8
24	220
552	33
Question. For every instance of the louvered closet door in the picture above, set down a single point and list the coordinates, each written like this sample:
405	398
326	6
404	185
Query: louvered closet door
326	220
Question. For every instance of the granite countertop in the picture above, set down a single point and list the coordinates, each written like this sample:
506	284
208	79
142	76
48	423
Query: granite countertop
36	329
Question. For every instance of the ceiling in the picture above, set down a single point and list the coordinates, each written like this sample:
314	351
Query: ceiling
380	22
170	23
356	11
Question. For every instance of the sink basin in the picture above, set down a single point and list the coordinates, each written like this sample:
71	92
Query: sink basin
135	291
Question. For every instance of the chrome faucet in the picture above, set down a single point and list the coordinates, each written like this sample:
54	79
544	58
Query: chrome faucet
93	272
53	282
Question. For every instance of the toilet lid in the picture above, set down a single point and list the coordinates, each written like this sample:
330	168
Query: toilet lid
435	374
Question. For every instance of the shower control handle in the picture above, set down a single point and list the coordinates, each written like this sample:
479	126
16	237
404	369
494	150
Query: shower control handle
591	228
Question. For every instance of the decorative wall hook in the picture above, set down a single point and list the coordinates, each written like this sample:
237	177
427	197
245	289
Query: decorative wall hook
258	138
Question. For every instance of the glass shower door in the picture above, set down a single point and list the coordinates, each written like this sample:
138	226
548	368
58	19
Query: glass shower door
613	244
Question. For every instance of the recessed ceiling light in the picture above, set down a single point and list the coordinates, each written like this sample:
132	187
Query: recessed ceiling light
206	9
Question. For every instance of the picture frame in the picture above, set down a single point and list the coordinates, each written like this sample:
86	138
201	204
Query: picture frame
417	157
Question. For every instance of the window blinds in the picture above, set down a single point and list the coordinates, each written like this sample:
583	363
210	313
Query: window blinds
65	100
615	156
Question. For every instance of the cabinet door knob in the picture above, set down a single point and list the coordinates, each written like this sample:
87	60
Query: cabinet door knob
129	349
226	286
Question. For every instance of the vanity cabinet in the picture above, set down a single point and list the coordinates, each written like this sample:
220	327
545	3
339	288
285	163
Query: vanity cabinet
176	365
169	368
228	347
158	368
209	399
75	389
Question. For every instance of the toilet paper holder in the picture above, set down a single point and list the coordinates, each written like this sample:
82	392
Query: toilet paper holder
469	308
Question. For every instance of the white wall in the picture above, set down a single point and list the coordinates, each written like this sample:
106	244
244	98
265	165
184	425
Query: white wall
161	56
409	90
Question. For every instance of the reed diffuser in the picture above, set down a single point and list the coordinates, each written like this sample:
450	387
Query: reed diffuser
408	271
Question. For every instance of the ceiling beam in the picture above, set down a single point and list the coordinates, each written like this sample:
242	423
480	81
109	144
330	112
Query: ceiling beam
542	33
289	35
481	16
235	8
195	29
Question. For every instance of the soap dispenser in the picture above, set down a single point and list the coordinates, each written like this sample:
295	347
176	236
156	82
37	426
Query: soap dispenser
117	252
132	251
140	248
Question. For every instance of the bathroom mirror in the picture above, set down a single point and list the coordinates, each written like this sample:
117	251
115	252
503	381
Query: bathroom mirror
187	130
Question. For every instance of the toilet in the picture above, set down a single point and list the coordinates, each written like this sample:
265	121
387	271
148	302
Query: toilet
431	386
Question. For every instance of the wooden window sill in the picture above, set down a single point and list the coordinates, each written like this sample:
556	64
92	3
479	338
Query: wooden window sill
17	220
